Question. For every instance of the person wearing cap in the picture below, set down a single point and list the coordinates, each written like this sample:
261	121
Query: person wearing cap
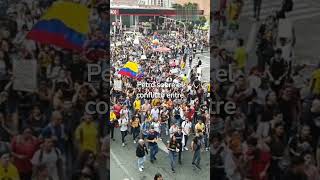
152	139
141	152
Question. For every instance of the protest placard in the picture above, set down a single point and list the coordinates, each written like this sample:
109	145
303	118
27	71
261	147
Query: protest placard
117	85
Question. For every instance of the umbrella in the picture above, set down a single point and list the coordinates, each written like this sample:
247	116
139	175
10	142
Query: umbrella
163	49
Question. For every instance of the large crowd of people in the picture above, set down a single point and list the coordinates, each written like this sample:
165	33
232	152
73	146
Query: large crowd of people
274	133
46	133
182	121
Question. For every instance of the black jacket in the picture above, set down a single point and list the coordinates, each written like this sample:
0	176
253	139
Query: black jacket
141	150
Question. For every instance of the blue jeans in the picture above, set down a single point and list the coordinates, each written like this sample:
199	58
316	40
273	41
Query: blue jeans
196	158
153	151
173	157
163	129
141	161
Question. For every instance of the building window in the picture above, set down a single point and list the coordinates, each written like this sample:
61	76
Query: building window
160	3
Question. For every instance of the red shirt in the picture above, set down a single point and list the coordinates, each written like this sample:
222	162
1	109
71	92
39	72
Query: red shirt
117	109
258	165
27	149
190	113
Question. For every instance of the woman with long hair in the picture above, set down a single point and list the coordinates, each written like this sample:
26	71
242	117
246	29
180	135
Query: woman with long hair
173	148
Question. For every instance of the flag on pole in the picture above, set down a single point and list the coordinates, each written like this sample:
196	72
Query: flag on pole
65	25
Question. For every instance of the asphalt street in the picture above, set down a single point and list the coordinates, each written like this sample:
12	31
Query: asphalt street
124	163
205	66
305	17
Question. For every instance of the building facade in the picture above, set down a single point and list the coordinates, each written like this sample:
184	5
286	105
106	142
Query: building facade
131	13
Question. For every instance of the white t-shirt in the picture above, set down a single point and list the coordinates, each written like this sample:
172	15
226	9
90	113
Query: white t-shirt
156	126
186	127
155	113
172	130
49	159
125	112
123	122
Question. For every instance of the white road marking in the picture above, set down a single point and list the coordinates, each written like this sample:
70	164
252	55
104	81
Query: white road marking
120	165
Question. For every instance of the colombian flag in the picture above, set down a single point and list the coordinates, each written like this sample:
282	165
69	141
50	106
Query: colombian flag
130	69
65	24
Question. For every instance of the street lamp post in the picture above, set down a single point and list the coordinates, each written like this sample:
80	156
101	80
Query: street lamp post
184	25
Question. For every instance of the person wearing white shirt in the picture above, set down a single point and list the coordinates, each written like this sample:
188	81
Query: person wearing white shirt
182	116
186	128
123	123
156	125
155	113
173	129
125	111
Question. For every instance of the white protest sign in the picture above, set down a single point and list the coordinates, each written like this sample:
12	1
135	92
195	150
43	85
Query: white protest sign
117	85
25	75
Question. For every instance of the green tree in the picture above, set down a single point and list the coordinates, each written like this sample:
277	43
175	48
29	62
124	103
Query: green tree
202	20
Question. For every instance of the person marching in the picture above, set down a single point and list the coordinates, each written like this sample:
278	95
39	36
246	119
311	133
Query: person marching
186	128
196	148
178	136
141	152
152	139
135	127
123	123
256	9
173	148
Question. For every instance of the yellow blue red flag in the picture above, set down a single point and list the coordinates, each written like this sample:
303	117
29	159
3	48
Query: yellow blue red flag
65	24
130	69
